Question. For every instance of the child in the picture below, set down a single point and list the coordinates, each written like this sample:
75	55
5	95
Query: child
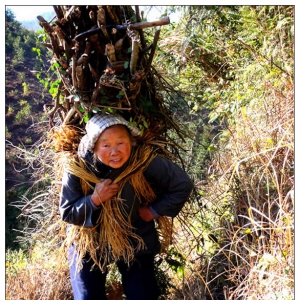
150	187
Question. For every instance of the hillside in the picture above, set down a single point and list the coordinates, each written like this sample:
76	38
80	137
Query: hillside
25	120
24	102
24	94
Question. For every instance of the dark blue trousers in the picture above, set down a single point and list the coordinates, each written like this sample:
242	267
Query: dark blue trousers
138	279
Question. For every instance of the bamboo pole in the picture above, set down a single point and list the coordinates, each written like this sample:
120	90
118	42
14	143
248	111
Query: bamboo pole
141	25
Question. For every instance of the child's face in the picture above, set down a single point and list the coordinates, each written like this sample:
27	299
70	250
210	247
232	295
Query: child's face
113	146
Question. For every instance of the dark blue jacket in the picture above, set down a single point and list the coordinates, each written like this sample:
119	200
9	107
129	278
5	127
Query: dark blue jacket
170	183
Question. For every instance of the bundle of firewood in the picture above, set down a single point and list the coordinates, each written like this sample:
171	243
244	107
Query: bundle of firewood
104	61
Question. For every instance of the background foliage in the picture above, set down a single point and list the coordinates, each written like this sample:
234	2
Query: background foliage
233	71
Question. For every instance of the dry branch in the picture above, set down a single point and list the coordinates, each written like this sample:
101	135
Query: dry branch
105	64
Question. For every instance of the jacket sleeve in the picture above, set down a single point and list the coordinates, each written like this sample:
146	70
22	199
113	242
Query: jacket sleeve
171	184
75	207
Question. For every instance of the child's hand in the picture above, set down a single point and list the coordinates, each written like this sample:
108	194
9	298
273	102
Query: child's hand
146	214
104	191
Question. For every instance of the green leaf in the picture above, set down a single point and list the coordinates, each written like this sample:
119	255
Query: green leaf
180	271
145	124
95	109
81	109
86	117
111	110
247	231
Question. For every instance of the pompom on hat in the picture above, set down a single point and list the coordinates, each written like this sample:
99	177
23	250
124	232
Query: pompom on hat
96	125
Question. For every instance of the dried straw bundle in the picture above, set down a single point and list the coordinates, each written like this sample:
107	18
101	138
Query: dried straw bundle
166	232
65	138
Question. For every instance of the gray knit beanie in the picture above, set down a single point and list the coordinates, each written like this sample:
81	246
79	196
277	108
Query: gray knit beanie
96	125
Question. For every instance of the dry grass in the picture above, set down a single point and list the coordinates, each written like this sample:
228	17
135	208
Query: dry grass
253	179
36	276
248	246
41	276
